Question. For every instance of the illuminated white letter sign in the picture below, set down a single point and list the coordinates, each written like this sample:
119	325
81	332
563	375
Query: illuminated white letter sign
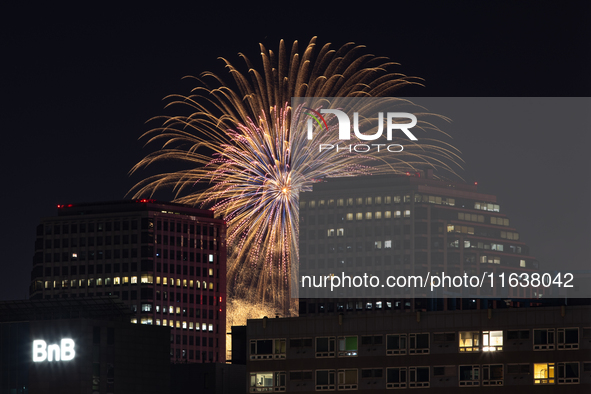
64	352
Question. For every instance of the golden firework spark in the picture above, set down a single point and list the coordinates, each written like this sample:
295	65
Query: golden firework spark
240	159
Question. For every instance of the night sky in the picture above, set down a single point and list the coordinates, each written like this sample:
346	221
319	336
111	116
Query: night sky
79	83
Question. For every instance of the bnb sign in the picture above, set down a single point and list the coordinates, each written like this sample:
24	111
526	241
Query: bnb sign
64	352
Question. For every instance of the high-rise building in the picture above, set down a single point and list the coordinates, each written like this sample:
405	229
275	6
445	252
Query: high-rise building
399	225
166	261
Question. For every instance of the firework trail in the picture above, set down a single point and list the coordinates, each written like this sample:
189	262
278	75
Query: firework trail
241	160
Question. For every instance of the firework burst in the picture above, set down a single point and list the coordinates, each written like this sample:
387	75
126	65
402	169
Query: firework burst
241	160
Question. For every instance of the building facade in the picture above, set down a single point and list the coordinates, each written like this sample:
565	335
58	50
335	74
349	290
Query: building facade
80	345
513	350
166	261
398	225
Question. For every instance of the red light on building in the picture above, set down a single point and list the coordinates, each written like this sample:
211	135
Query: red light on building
70	205
60	206
476	183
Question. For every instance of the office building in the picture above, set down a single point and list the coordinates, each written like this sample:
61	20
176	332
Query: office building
80	345
166	262
402	225
511	350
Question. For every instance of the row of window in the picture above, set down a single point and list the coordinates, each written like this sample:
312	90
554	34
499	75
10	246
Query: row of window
82	255
74	228
187	228
417	343
485	375
116	281
359	201
125	225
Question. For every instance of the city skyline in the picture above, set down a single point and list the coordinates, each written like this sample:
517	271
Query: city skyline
94	96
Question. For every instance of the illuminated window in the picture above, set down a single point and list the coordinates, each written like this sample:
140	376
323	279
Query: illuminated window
325	380
325	347
191	284
321	203
330	232
340	202
378	215
492	341
490	259
368	215
396	378
396	344
388	244
347	379
171	323
190	325
267	381
544	373
522	263
211	258
210	327
157	322
358	216
469	375
164	322
359	201
469	341
146	320
178	324
178	283
134	320
171	309
210	285
178	310
147	279
377	245
388	214
348	346
203	326
184	325
99	281
418	377
349	216
407	213
165	281
378	200
134	279
397	214
312	204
